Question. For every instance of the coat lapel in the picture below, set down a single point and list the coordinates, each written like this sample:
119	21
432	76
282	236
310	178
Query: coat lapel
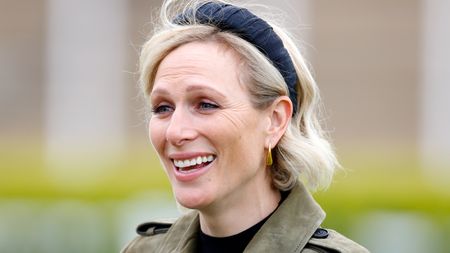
291	226
182	237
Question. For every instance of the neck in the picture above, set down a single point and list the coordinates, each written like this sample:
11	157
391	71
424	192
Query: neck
233	216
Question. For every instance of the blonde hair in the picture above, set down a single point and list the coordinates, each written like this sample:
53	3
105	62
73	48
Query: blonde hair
303	150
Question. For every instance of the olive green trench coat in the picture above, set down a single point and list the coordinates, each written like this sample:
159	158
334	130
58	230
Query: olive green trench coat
292	228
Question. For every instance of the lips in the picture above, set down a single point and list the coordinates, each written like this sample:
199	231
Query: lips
196	162
190	168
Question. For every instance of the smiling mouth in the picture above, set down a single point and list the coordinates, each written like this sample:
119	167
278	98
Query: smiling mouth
193	164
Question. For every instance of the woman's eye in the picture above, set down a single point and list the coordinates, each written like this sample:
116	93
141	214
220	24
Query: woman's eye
162	109
207	106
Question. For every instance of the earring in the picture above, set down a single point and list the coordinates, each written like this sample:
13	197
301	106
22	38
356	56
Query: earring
269	160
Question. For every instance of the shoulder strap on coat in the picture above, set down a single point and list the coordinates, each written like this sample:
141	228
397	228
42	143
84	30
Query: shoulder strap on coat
154	227
327	240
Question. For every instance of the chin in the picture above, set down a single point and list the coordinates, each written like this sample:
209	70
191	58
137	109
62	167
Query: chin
192	199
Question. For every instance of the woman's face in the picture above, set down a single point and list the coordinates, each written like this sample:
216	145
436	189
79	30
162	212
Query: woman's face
207	134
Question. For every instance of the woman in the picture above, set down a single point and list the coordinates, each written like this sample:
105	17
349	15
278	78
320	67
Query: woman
234	124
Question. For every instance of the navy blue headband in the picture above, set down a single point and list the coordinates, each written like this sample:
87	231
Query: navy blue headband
253	29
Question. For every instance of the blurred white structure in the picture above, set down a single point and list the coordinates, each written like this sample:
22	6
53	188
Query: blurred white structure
435	92
85	98
385	231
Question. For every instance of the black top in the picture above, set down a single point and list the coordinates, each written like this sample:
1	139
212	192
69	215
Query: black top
235	243
230	244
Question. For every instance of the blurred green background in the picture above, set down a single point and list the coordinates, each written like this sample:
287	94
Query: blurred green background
77	172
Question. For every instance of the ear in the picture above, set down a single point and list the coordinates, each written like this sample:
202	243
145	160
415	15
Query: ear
280	116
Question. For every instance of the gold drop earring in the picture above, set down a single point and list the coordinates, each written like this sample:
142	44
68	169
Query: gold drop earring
269	160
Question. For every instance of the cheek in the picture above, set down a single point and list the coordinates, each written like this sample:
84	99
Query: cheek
243	134
156	134
229	123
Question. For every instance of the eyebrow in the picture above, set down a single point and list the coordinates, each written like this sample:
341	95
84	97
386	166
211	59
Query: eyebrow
159	91
190	88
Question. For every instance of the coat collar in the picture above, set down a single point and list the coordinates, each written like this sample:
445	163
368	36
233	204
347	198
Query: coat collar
291	226
287	230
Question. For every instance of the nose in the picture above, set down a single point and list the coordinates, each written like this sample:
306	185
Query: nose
181	128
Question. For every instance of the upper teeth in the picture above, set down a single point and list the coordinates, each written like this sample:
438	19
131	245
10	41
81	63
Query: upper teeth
193	161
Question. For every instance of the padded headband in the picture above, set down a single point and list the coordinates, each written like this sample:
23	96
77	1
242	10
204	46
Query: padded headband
253	29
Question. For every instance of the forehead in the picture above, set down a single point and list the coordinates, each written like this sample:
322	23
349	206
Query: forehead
209	61
199	54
